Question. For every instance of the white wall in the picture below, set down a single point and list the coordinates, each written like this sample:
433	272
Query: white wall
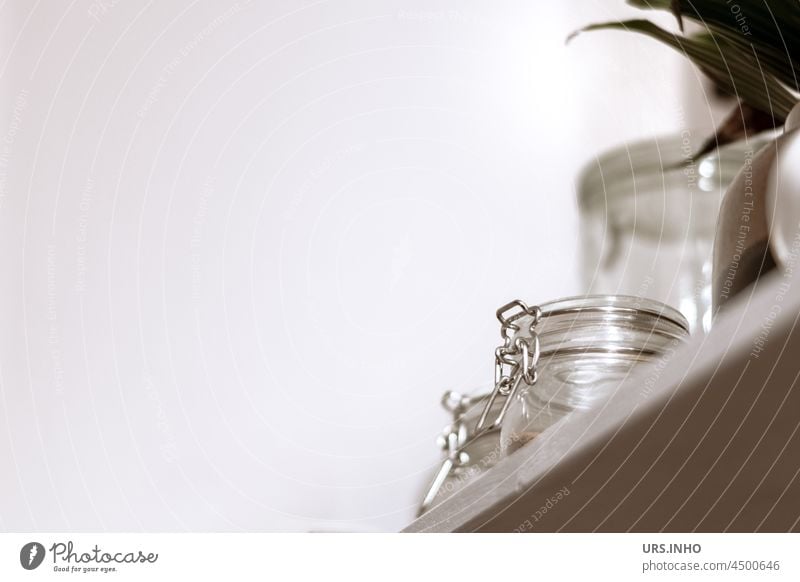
245	247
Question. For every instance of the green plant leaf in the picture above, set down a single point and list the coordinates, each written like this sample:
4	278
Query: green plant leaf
728	62
771	28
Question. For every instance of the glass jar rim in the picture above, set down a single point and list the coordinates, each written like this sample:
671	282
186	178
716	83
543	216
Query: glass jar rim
640	309
613	172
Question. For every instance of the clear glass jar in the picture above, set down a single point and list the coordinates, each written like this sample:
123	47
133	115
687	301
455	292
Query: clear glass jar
648	217
588	346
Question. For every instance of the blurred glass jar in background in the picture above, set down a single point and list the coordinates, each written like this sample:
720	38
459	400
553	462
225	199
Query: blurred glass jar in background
589	345
648	214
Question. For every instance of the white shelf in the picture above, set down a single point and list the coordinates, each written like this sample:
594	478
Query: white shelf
708	441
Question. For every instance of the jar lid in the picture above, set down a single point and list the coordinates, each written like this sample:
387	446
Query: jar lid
609	323
611	304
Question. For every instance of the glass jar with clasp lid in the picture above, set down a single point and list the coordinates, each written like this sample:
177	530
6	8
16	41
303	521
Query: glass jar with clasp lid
559	358
587	347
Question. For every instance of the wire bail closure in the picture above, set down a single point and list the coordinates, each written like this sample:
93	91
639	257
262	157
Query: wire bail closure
515	362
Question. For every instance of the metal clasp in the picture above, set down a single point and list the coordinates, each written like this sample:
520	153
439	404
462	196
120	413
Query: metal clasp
515	362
